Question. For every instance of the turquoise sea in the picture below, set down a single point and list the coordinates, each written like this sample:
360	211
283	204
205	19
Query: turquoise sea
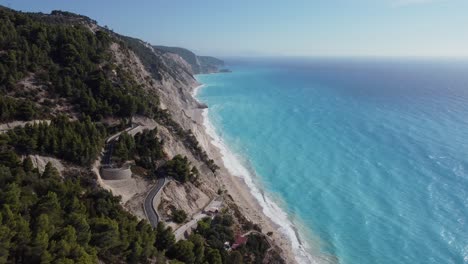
366	159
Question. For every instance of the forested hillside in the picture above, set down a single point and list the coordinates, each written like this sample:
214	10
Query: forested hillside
48	219
60	70
77	142
48	67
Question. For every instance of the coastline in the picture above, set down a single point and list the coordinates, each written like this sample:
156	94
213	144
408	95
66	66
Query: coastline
256	206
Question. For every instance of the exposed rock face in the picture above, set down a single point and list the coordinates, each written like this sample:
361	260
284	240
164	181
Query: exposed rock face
198	64
132	191
183	196
40	162
174	90
209	64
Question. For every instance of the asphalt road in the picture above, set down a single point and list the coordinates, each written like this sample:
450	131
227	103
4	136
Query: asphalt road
106	159
150	211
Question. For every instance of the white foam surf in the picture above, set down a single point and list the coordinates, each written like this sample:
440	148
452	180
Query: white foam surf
235	166
196	90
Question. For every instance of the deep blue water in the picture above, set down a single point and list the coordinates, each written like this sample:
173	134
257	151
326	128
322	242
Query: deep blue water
369	158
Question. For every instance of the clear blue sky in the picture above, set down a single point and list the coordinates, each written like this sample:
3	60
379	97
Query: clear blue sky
293	27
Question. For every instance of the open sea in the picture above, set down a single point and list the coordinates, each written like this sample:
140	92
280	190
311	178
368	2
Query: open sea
361	161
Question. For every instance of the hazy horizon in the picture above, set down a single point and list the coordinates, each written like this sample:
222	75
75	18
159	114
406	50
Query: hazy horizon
361	28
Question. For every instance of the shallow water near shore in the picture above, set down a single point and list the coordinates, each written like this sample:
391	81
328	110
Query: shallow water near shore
367	158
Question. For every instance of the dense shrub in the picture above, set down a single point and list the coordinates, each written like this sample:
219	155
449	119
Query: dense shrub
179	216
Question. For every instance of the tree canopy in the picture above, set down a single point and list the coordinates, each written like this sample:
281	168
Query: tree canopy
45	218
69	62
76	141
179	169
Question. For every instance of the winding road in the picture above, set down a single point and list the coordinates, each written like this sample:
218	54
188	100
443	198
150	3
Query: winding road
148	205
108	150
110	145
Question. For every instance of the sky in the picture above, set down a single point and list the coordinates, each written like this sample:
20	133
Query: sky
389	28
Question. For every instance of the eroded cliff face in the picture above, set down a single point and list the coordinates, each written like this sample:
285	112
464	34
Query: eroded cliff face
175	96
183	196
198	64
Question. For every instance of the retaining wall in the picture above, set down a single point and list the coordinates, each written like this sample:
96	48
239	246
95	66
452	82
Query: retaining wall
116	173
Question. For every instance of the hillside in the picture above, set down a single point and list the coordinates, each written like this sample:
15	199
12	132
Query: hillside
199	64
67	86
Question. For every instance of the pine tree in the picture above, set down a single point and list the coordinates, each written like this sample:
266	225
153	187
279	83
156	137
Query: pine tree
183	251
5	241
28	164
199	248
39	245
49	204
213	256
50	171
164	237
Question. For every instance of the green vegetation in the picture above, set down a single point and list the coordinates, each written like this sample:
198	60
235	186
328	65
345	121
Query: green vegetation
153	60
207	244
71	63
54	67
76	141
256	246
209	64
165	238
149	148
183	251
66	62
154	63
185	54
179	169
125	147
188	138
194	251
216	231
199	64
18	109
219	230
47	219
145	148
179	216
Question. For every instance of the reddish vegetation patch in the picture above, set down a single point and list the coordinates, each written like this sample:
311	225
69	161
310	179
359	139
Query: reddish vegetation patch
240	240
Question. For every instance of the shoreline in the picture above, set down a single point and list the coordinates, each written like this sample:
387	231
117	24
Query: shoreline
255	204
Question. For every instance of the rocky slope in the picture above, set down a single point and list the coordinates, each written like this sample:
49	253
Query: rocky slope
178	99
176	95
198	64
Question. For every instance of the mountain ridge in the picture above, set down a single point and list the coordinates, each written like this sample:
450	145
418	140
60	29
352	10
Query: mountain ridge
199	64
